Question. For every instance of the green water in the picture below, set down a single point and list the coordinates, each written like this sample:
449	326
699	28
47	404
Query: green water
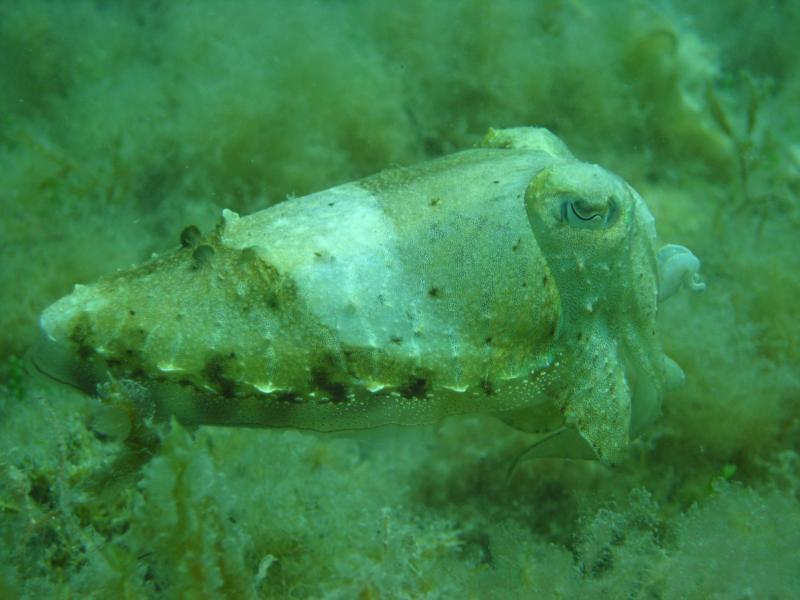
122	122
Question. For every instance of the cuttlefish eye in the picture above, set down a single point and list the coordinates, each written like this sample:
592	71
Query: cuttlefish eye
586	213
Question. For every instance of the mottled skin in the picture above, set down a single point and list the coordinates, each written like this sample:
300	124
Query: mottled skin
510	279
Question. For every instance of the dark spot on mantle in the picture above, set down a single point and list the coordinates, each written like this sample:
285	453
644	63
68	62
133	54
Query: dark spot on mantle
289	397
416	387
217	370
190	236
335	391
202	256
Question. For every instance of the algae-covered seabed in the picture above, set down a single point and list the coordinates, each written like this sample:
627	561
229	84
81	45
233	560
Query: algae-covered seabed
121	122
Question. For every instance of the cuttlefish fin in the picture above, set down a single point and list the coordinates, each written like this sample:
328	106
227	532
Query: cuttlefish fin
543	418
565	442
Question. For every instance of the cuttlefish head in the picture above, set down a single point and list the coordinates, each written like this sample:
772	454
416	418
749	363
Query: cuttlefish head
600	242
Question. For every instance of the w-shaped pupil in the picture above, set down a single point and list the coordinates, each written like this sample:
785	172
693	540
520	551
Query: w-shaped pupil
583	216
580	213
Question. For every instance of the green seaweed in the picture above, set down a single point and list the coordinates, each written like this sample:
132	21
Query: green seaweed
123	122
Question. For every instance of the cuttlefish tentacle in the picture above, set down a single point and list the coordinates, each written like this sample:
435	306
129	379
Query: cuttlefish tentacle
677	268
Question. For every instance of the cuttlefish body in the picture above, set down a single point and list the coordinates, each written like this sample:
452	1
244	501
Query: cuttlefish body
511	279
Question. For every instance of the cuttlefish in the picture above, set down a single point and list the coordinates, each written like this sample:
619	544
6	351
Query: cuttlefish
510	279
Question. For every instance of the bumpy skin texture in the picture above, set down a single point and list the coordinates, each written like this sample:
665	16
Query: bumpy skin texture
510	279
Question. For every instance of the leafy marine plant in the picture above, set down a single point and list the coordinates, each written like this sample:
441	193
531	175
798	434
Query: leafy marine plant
763	184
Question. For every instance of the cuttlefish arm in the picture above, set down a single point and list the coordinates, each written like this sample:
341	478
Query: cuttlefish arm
595	401
677	268
599	407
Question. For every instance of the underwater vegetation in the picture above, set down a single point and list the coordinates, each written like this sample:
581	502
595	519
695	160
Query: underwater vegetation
121	123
